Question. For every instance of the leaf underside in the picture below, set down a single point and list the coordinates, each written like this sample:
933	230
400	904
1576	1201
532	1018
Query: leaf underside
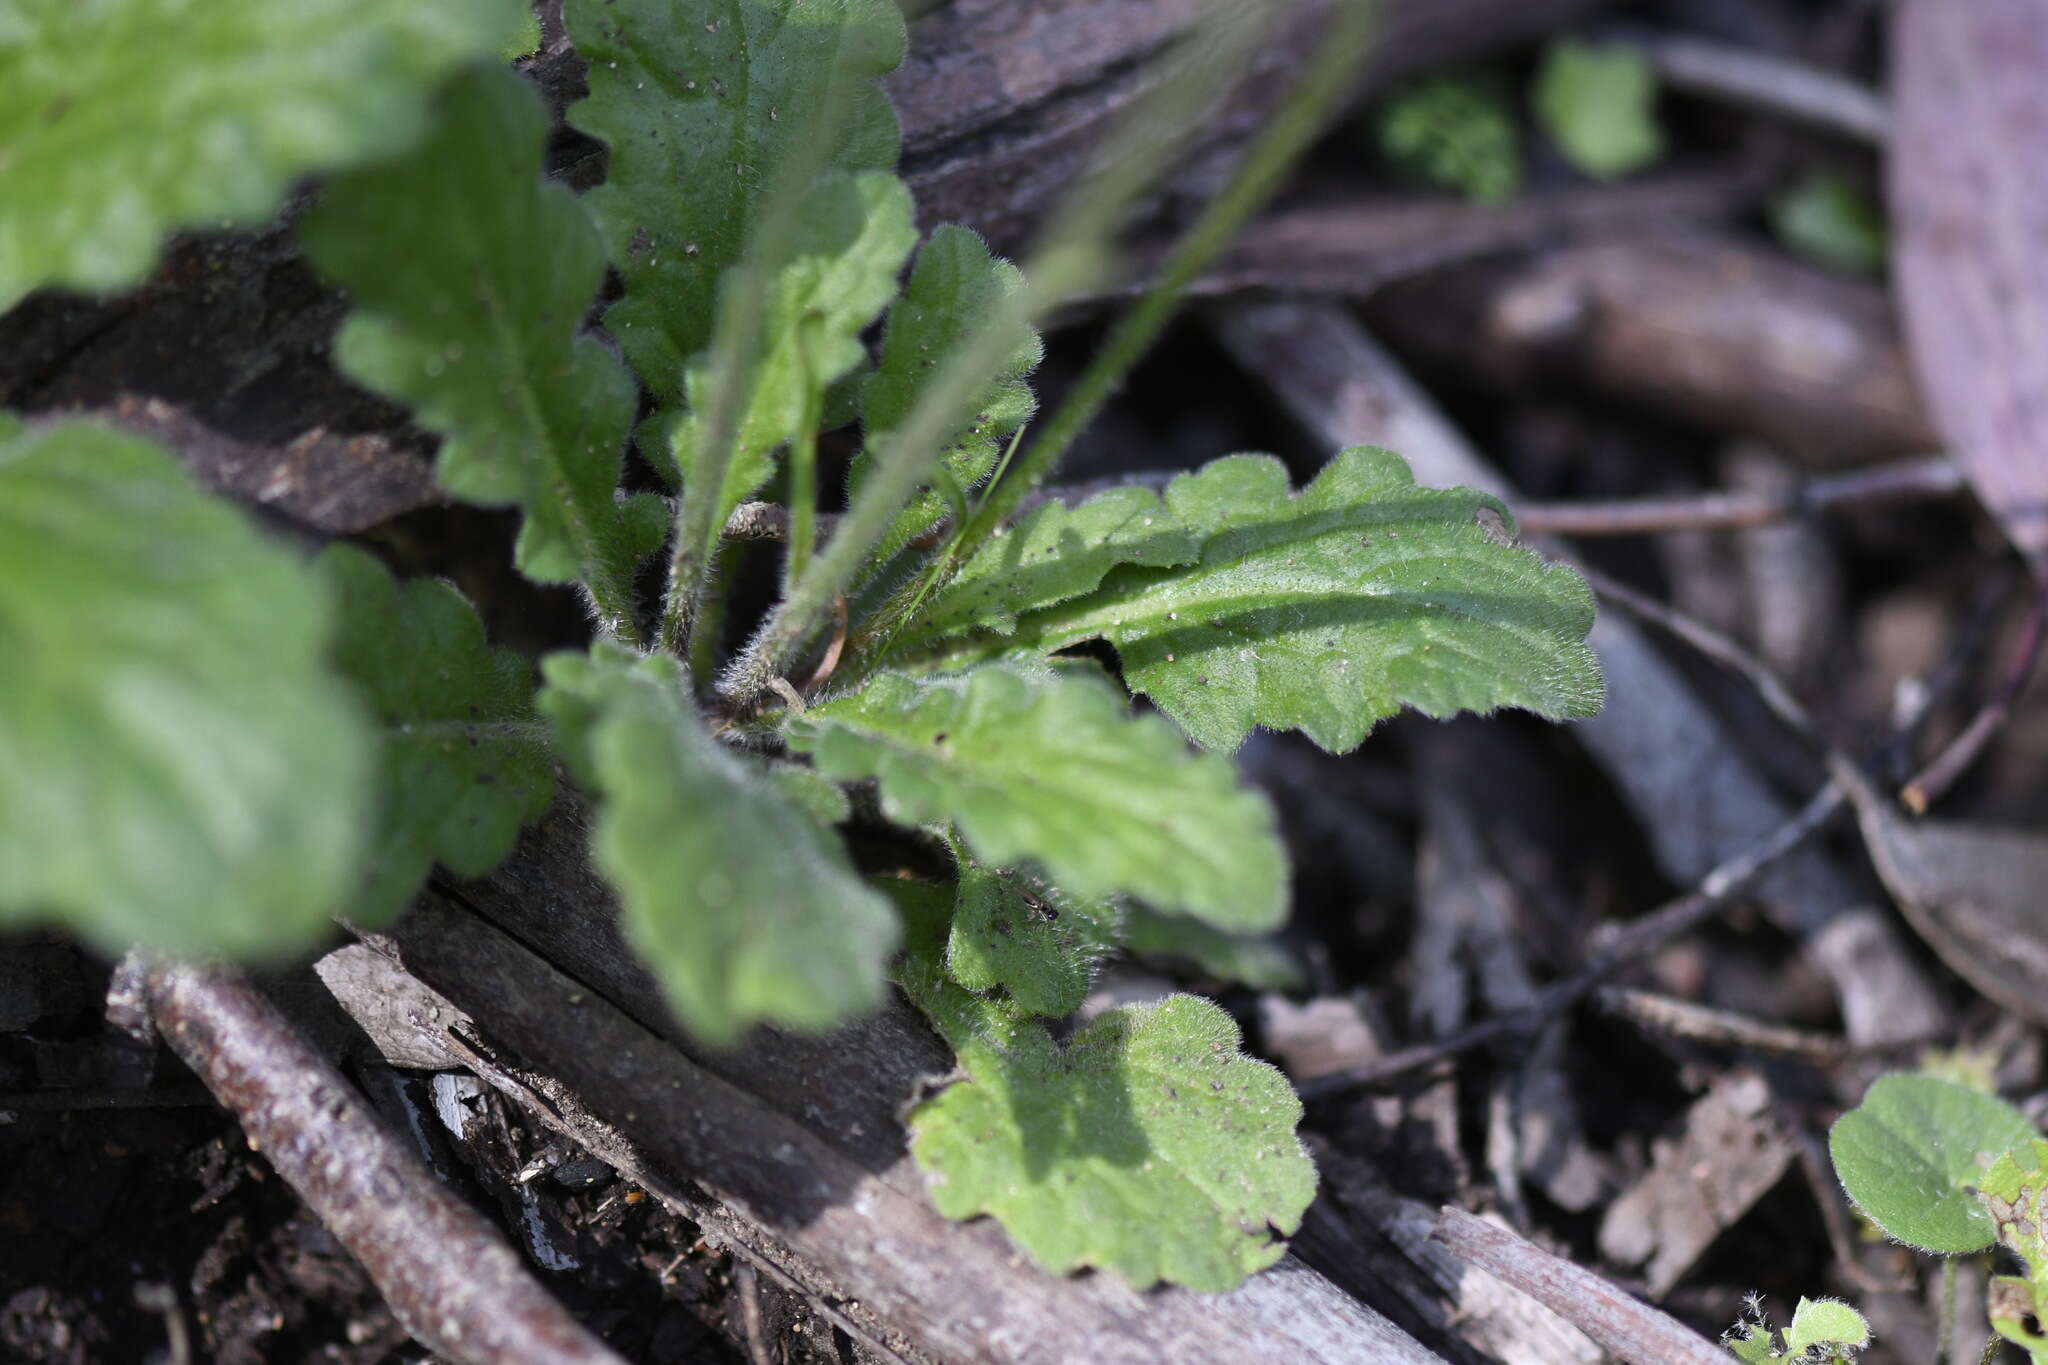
743	906
178	767
126	119
1050	766
465	758
470	277
1324	611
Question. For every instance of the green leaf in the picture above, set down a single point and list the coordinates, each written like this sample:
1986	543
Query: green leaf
817	795
466	760
1825	1329
1913	1153
1752	1345
854	236
1457	132
1823	1332
127	119
740	903
1054	768
1260	961
1329	610
1025	936
1827	219
1053	554
178	766
953	291
470	278
1599	104
1146	1144
699	104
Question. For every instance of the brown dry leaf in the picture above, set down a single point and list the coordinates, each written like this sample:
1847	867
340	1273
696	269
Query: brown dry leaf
1974	892
1969	208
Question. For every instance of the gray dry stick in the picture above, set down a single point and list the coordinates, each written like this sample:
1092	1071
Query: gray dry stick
1674	762
833	1194
451	1279
1634	1331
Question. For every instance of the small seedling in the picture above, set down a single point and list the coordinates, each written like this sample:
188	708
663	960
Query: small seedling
208	745
1952	1171
1822	1332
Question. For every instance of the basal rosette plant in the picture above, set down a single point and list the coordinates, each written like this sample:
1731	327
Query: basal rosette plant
210	744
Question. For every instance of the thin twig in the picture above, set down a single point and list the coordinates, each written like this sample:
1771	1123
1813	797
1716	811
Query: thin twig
449	1276
1946	767
749	1281
1765	84
1770	689
1931	476
1631	944
1719	1028
1630	1329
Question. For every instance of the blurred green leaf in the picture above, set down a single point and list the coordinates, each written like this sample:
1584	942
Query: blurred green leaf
124	120
1455	132
1598	102
466	759
179	767
1829	220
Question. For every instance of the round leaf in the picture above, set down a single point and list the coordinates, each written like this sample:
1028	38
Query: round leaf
1912	1155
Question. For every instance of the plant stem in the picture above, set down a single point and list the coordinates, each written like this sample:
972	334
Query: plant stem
1276	150
1945	1333
803	485
735	352
903	458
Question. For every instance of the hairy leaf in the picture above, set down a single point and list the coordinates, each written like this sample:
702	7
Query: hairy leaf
466	760
1053	767
1329	610
1825	1329
470	278
740	903
1053	554
1599	104
855	235
178	766
699	104
1823	1332
1024	935
1146	1144
953	291
1912	1155
126	119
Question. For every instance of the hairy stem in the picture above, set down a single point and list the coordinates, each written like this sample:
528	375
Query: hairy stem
736	352
903	458
1270	157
